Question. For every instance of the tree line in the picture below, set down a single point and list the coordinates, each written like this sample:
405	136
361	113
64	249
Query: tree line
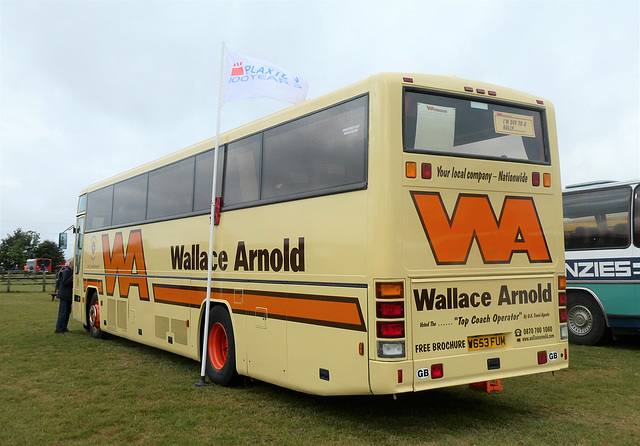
16	248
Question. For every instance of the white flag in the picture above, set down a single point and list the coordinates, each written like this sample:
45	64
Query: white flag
249	77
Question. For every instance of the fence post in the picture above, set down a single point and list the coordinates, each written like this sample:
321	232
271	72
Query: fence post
8	281
44	280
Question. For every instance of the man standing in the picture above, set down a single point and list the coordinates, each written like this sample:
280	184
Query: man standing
65	291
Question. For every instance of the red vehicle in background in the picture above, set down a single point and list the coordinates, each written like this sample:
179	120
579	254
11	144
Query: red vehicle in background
38	265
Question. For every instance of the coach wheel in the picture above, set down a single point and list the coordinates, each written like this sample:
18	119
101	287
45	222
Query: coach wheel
94	318
585	320
221	356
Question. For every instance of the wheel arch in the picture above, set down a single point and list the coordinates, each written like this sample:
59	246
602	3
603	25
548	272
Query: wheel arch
87	303
201	321
588	292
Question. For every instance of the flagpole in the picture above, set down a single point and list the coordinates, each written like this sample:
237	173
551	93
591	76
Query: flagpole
205	339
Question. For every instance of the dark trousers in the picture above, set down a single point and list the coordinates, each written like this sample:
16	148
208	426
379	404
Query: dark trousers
64	311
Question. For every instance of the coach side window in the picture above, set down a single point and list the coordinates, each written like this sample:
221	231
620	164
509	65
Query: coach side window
171	190
242	171
636	217
597	219
99	208
130	200
317	154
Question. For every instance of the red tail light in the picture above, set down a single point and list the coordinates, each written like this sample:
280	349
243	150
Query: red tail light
391	329
562	299
425	169
390	309
535	178
542	357
563	315
437	371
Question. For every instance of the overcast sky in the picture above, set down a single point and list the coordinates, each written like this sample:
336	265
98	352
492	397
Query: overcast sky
89	89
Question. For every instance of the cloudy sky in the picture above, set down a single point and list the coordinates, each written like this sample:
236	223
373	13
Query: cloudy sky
91	88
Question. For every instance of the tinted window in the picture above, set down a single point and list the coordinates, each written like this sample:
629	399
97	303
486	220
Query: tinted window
99	208
171	190
325	152
460	127
82	203
130	200
636	217
204	178
316	153
242	171
597	218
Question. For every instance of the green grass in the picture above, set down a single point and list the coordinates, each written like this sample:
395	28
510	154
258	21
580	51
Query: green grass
72	389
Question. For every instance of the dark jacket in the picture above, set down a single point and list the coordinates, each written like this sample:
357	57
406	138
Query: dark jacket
65	291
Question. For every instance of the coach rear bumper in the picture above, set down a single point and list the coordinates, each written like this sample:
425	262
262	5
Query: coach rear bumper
415	376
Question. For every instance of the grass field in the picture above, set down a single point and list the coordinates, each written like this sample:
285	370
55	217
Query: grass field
72	389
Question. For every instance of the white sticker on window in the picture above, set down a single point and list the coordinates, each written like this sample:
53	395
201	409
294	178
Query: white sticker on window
479	105
513	124
350	130
435	127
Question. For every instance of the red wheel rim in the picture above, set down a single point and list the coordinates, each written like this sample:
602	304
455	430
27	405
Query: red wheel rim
94	316
218	346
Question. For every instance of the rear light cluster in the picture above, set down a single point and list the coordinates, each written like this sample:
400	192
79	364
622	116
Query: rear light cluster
535	179
543	355
390	320
562	304
426	173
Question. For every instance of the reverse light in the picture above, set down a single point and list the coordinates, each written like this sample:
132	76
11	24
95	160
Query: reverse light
391	349
564	332
390	329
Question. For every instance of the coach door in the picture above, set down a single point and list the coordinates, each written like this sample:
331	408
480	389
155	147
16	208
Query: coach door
78	288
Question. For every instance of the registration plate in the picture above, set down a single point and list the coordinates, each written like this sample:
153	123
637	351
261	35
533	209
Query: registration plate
486	341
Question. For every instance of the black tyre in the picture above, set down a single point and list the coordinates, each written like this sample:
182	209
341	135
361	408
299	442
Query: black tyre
585	320
93	318
221	353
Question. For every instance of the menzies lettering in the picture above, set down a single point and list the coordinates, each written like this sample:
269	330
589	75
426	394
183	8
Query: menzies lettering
518	230
125	265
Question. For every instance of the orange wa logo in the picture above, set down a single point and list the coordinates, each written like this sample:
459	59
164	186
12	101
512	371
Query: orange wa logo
517	230
125	264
